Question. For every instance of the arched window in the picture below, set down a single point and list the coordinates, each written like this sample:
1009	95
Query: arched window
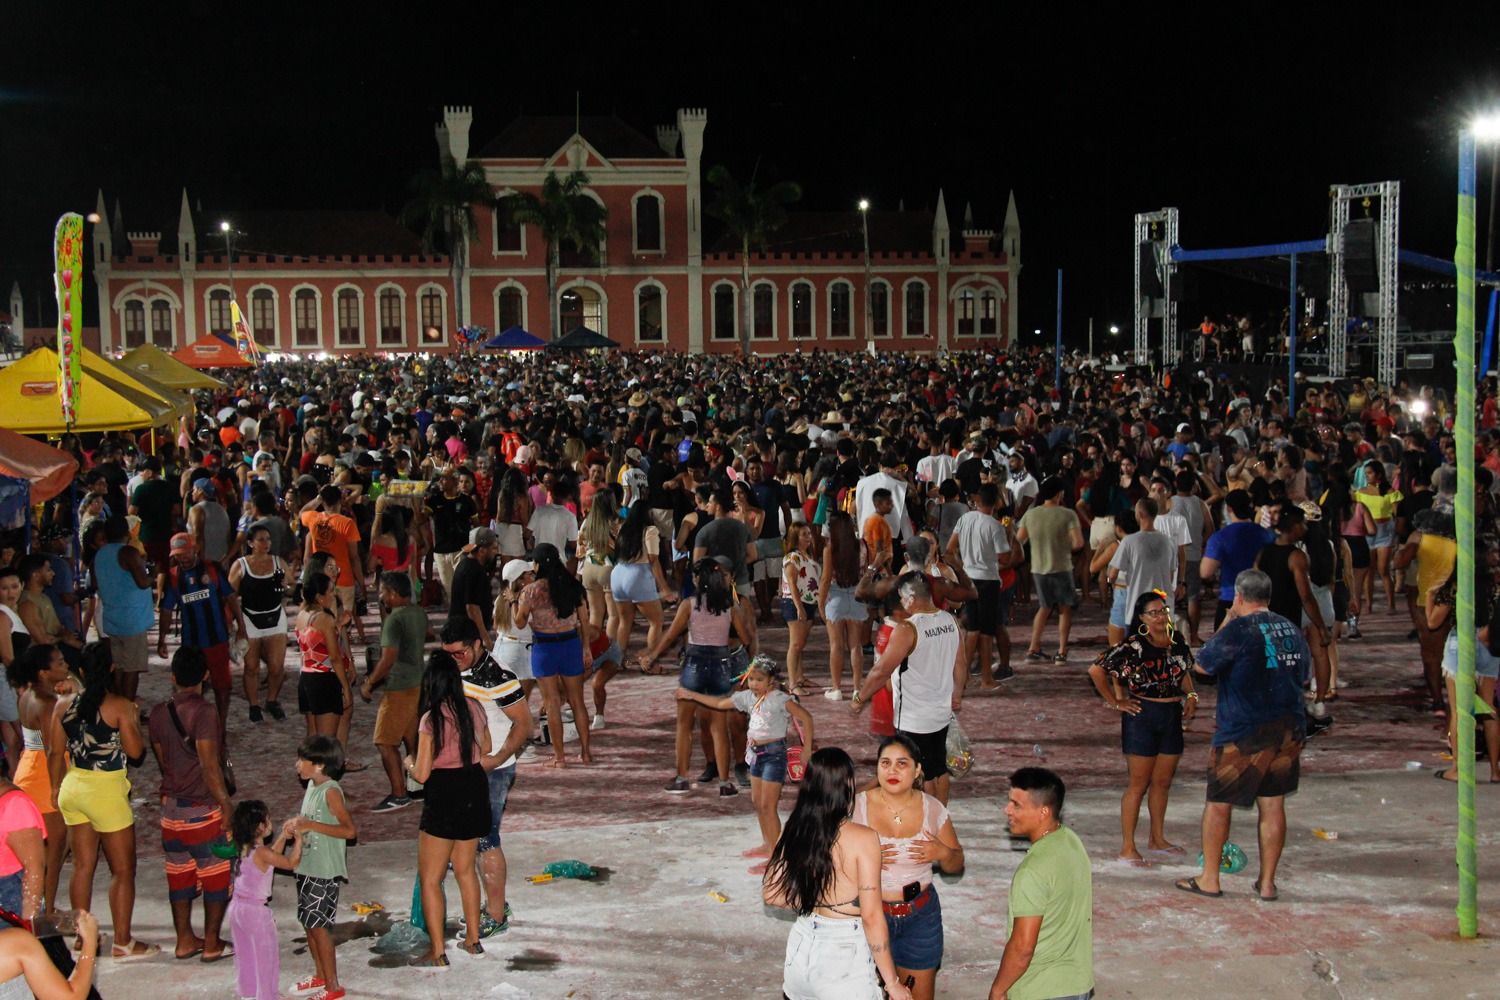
218	311
580	306
880	309
802	311
963	313
305	309
263	317
509	308
650	316
161	323
351	330
840	323
648	235
726	322
916	309
392	318
135	323
763	326
434	309
988	315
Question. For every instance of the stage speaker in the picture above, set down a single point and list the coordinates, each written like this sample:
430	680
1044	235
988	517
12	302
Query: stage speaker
1359	257
1150	278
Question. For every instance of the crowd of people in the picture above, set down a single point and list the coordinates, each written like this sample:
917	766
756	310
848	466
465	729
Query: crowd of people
484	542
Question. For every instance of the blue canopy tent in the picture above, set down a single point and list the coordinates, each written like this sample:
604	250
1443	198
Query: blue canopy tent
514	339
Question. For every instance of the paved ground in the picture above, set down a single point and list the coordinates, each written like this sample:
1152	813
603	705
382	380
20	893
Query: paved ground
1367	915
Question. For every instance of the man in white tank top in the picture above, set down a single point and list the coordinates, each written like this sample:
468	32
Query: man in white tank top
924	663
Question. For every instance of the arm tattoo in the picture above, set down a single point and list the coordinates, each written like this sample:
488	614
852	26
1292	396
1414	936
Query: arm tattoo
878	949
867	888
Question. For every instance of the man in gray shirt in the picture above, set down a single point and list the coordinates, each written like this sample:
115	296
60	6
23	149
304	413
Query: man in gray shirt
727	536
1145	561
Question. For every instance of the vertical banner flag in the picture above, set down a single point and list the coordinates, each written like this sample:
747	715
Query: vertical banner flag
68	259
243	342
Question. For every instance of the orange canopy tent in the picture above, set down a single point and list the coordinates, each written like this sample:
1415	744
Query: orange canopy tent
209	351
49	470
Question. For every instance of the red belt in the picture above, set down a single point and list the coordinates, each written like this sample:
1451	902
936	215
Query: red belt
907	909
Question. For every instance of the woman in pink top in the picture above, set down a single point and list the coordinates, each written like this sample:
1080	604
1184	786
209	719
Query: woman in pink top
915	832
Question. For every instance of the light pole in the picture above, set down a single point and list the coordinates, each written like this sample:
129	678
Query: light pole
228	254
864	224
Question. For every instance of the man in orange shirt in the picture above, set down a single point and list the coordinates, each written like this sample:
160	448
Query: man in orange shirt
330	530
876	531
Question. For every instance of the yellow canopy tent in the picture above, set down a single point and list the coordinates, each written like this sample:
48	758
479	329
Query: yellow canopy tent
180	403
157	364
105	403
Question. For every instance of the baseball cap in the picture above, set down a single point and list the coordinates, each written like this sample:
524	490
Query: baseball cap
183	542
515	569
1184	428
480	537
207	486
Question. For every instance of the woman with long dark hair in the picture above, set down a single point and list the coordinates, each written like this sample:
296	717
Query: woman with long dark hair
843	615
709	664
512	511
260	581
1147	678
452	735
559	656
637	580
1355	527
92	736
392	547
826	867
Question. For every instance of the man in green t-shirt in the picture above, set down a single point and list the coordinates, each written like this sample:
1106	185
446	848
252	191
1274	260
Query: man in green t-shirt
158	506
401	639
1050	951
1054	534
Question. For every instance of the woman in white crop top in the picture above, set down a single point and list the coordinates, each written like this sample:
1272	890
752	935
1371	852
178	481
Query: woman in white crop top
914	831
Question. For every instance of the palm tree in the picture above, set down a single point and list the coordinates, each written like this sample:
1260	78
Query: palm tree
752	216
562	213
442	210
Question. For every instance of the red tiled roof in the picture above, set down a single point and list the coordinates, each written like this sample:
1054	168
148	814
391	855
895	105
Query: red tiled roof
840	232
539	138
312	233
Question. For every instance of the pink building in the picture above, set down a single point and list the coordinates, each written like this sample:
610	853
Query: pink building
345	282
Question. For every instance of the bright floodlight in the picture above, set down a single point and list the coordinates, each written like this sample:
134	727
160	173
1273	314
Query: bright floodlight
1486	127
864	205
1113	328
224	227
1419	407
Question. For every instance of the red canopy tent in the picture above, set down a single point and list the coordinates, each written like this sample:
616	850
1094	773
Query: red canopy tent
48	470
208	351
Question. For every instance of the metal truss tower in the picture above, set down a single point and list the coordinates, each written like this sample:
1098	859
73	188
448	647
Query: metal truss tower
1387	242
1160	230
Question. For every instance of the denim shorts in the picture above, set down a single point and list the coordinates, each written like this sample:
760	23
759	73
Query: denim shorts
1119	616
559	655
828	959
10	885
710	670
633	582
1157	730
1485	665
789	611
500	779
768	761
1385	534
843	606
917	939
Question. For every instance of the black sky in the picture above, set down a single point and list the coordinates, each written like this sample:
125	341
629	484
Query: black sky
1240	121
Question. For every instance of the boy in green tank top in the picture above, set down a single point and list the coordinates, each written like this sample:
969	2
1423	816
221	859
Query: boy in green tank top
326	829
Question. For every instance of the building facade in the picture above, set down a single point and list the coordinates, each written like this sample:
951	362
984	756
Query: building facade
348	282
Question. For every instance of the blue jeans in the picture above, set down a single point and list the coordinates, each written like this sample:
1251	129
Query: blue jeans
500	779
917	938
10	893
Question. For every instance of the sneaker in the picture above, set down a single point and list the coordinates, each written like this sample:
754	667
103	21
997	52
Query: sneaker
728	788
1318	710
678	785
1354	633
710	774
274	710
256	715
1036	656
311	984
439	964
834	694
742	775
473	951
528	752
391	803
1318	725
596	723
327	994
1003	673
489	926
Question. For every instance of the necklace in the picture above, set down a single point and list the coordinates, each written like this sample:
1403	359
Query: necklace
896	813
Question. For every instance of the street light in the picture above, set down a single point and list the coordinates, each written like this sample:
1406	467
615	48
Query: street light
1114	331
864	223
1486	128
228	253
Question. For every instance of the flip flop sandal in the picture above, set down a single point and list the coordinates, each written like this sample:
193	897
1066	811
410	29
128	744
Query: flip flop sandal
1134	863
192	954
1191	885
228	952
120	953
1174	851
1265	899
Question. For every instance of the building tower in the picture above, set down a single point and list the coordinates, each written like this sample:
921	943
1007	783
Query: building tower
103	258
1010	245
690	125
940	247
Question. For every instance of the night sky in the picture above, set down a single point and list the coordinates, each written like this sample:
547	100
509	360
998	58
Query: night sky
1240	124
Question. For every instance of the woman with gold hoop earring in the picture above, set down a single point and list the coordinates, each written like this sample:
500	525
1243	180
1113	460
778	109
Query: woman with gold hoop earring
1147	678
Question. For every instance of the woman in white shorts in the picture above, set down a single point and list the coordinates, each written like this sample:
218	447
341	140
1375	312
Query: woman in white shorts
259	580
596	559
513	644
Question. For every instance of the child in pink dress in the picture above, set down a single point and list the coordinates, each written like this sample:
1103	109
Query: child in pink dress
257	953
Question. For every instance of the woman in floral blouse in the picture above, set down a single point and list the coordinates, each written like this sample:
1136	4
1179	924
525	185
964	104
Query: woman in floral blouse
1147	678
800	575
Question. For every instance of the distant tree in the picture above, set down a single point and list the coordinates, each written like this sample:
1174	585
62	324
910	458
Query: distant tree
562	213
442	211
751	215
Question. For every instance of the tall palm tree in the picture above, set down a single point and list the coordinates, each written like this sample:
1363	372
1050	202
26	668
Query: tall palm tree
562	213
442	210
751	215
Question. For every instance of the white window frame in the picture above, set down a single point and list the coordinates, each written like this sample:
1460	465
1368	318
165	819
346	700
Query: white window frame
380	341
317	317
598	290
661	217
145	320
275	315
713	311
828	306
364	326
926	333
172	313
636	301
495	301
421	326
812	312
495	250
775	318
958	300
208	309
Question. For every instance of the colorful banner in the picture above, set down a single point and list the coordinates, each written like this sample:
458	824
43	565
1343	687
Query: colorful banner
243	342
68	259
